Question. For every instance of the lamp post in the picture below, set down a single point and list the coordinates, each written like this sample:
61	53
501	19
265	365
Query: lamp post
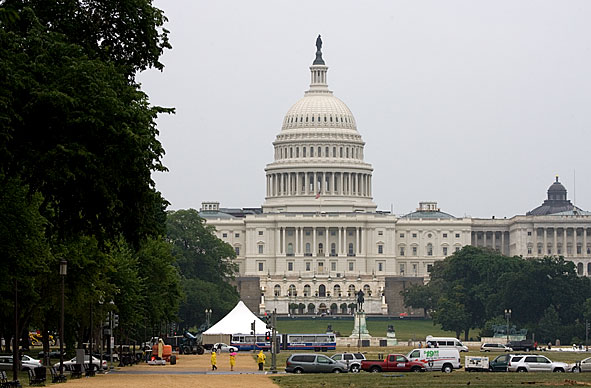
507	315
207	317
63	273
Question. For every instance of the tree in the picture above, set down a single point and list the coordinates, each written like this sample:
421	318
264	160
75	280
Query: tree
549	326
205	264
452	316
420	296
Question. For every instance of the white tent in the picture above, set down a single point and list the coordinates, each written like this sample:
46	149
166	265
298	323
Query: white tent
238	321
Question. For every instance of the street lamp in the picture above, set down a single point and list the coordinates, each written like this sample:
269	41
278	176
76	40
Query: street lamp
507	315
63	273
207	317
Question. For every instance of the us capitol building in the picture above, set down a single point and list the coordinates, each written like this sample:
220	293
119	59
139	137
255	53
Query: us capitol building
318	237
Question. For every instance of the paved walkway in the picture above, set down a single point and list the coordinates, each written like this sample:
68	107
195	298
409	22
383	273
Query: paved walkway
190	371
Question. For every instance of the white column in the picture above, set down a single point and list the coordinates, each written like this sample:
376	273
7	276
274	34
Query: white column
359	240
502	243
341	191
297	184
278	241
324	183
494	240
584	241
339	244
554	243
564	246
315	186
326	248
545	249
314	248
283	242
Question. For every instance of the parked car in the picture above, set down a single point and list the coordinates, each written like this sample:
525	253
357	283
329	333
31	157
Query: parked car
581	366
96	362
392	363
52	354
521	346
26	362
352	360
443	359
313	363
535	363
445	342
499	364
221	347
488	347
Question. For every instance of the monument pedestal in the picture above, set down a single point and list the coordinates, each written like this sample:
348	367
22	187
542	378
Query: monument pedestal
360	327
391	339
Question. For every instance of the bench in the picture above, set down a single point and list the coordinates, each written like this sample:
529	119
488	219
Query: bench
4	383
56	377
89	370
37	376
76	371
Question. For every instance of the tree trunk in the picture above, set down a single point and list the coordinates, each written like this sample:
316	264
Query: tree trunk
466	332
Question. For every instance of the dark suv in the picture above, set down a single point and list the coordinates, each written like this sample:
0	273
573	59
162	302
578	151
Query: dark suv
313	363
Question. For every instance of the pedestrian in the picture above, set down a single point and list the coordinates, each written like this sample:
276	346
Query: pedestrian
261	360
420	344
232	360
214	360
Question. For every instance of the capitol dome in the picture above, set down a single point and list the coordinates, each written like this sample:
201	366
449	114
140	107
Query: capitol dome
318	161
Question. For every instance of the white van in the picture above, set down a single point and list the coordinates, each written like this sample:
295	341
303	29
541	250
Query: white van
446	342
443	359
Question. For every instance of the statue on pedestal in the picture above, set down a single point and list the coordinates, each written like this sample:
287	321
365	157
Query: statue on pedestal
360	300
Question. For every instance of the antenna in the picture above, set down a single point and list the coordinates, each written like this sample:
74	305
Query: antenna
575	187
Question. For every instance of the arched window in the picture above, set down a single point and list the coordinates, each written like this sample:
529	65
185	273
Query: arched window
580	268
311	152
311	308
334	152
347	152
319	152
429	250
277	290
326	152
297	152
334	309
292	291
351	291
367	290
320	249
322	290
337	290
290	152
304	152
307	290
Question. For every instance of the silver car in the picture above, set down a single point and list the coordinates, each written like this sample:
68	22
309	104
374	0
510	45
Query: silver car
313	363
488	347
581	366
351	360
26	362
535	363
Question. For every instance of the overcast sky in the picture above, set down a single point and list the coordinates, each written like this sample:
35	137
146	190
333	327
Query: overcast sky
476	105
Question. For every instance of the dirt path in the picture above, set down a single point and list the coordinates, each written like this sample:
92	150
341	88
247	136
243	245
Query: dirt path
164	376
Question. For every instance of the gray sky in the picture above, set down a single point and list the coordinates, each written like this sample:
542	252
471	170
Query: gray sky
476	105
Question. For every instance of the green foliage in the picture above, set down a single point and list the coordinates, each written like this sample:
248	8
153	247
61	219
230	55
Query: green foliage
549	326
206	267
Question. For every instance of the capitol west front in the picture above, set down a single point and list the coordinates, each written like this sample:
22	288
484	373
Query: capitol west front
318	237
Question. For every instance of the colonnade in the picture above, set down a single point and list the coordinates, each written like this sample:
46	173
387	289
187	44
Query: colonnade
323	183
293	241
480	239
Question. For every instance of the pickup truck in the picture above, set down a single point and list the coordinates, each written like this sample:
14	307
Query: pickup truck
523	345
392	363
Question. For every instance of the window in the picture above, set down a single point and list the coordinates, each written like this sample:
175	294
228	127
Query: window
260	249
277	290
539	249
380	233
290	232
333	233
290	265
401	251
307	232
414	235
304	149
529	250
261	267
457	235
444	251
350	233
457	249
351	250
444	235
429	267
237	235
380	249
308	253
260	232
311	152
321	233
351	266
320	267
414	251
578	249
333	248
529	233
333	265
402	268
401	235
429	250
237	250
380	267
307	265
224	235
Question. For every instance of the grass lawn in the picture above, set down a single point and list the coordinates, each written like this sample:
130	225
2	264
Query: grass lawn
405	328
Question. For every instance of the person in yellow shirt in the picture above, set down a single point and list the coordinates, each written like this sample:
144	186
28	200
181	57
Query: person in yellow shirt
261	360
232	360
214	361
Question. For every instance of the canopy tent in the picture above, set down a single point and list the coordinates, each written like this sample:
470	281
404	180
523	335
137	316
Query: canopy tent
238	321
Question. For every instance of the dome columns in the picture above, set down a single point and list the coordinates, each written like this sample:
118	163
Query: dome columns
319	183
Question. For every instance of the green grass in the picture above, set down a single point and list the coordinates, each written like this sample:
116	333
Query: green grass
405	328
428	379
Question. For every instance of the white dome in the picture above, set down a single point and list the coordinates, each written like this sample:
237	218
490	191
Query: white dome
319	111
